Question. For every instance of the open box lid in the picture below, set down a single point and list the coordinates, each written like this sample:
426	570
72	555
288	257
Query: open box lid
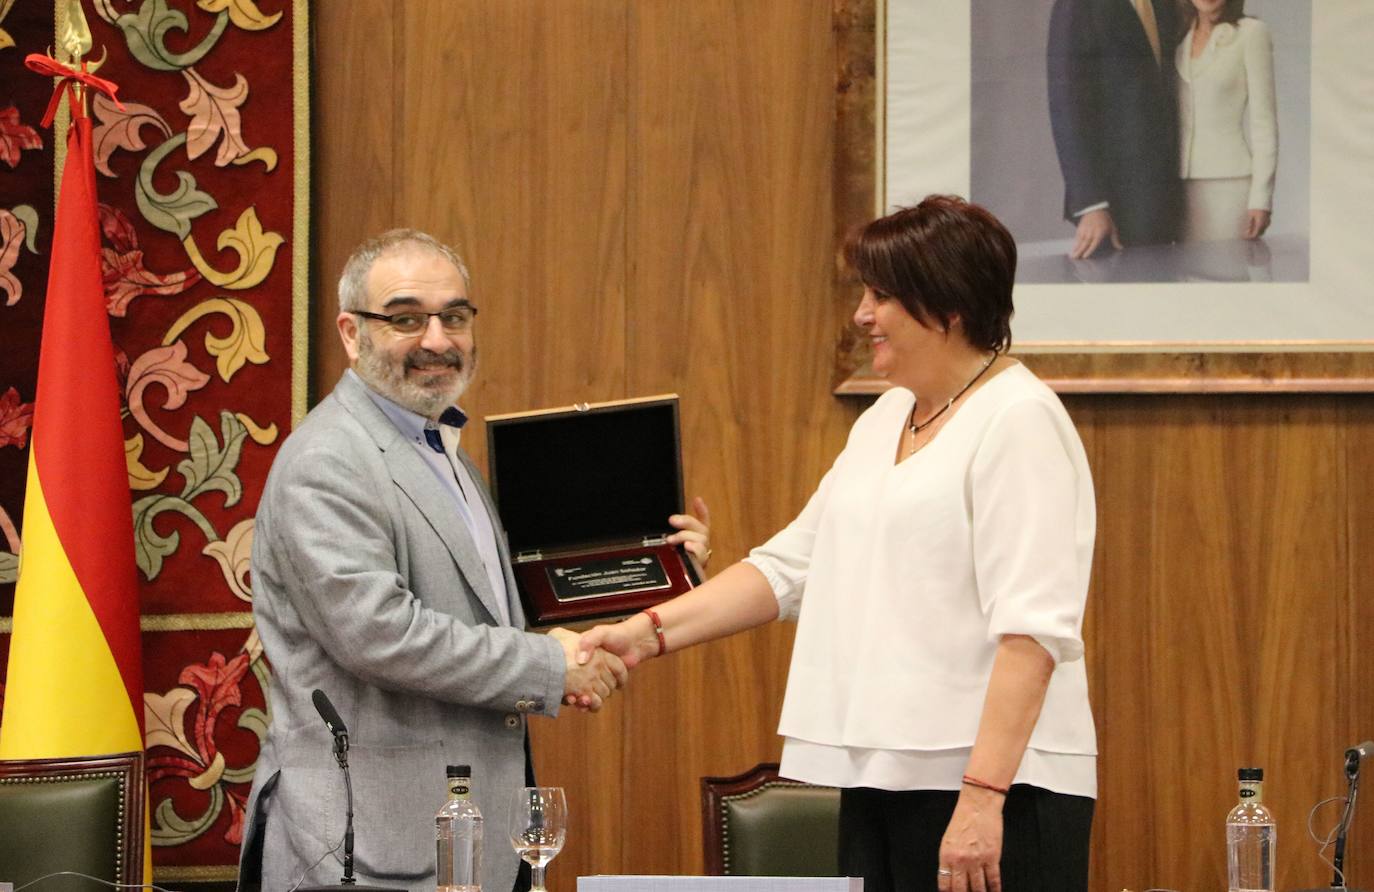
586	475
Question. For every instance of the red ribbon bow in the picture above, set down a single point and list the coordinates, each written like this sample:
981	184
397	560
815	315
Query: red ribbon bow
70	77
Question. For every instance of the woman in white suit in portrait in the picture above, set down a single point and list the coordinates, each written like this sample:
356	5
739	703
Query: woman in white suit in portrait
1225	68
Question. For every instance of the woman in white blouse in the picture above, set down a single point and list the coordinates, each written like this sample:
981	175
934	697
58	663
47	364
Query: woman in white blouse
1225	68
938	577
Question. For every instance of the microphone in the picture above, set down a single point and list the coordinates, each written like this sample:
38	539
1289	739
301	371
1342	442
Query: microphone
330	714
338	729
1357	754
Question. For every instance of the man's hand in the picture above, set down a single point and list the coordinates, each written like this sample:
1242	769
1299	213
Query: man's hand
1094	228
694	531
588	684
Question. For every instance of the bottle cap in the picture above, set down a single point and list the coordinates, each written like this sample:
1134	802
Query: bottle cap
459	771
1250	774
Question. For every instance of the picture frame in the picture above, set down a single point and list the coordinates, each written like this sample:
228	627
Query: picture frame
1291	353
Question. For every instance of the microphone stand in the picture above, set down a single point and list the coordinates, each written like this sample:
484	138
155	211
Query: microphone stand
341	756
1352	776
348	881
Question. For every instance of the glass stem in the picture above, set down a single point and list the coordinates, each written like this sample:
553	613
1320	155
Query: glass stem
537	879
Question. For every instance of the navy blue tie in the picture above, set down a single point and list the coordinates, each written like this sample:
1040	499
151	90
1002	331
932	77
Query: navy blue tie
453	417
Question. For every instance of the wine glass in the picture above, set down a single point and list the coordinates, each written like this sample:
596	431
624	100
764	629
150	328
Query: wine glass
538	826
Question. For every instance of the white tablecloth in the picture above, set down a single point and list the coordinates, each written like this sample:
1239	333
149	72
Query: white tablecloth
718	884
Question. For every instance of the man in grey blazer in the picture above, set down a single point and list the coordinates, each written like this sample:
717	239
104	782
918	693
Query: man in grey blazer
381	577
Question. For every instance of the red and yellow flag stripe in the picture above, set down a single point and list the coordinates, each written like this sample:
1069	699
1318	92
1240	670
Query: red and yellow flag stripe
74	684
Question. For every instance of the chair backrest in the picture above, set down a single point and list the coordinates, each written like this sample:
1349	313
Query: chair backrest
755	824
80	814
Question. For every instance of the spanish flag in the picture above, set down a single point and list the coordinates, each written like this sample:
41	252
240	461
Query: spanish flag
75	682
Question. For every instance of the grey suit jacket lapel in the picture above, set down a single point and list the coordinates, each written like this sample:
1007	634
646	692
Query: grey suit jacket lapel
410	474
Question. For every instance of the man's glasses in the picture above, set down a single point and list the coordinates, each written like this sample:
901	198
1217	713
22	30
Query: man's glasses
454	320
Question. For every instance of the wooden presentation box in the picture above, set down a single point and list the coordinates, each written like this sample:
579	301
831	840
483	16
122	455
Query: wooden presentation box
584	493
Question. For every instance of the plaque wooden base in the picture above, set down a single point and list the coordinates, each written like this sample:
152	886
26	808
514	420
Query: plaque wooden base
599	583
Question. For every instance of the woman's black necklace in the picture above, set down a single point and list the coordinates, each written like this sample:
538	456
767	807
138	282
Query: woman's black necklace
917	428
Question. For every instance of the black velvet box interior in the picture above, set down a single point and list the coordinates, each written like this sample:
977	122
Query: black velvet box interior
591	482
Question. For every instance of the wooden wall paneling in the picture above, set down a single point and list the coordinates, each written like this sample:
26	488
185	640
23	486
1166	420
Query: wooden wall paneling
515	150
583	753
729	227
1214	524
1119	617
1204	599
1289	453
1355	693
355	125
1087	415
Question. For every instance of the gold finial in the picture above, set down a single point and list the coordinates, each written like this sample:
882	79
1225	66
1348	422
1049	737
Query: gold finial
74	36
93	67
5	39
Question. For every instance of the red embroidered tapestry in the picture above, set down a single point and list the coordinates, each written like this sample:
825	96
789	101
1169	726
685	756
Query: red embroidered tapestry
203	185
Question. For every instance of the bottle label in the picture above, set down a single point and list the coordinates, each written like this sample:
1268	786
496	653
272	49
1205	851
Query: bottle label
1247	792
459	787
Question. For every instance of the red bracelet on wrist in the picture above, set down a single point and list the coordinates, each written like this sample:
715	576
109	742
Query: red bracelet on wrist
658	631
975	782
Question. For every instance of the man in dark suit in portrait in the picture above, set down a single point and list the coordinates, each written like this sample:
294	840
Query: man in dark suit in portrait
1112	110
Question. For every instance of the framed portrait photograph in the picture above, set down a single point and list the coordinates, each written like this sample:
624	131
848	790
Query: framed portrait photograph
1190	183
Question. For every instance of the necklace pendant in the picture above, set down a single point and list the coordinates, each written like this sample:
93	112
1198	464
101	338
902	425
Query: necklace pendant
917	428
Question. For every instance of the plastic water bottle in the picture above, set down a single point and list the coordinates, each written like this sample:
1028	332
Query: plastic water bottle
458	836
1250	837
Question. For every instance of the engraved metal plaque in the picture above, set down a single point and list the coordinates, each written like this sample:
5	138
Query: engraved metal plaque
605	577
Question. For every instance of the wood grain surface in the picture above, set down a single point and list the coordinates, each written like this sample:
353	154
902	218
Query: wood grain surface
353	157
644	191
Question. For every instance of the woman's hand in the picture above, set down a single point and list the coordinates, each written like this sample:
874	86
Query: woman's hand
1257	223
632	640
972	848
694	531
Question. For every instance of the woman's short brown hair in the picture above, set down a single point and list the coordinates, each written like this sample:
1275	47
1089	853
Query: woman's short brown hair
944	259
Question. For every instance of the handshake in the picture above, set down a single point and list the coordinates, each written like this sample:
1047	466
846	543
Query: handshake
599	670
588	685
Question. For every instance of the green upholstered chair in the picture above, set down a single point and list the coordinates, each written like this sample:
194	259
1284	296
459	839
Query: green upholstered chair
79	814
755	824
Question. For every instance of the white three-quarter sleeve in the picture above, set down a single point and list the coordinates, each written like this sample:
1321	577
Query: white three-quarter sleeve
1031	518
785	559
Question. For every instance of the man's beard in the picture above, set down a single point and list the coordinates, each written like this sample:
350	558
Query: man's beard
427	398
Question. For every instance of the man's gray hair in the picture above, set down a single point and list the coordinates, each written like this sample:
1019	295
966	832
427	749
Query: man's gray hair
353	280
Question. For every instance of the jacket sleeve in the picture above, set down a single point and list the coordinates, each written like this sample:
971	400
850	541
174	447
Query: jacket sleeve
1076	118
331	546
1264	122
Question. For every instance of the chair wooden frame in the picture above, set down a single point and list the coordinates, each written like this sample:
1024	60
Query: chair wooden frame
716	794
127	767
